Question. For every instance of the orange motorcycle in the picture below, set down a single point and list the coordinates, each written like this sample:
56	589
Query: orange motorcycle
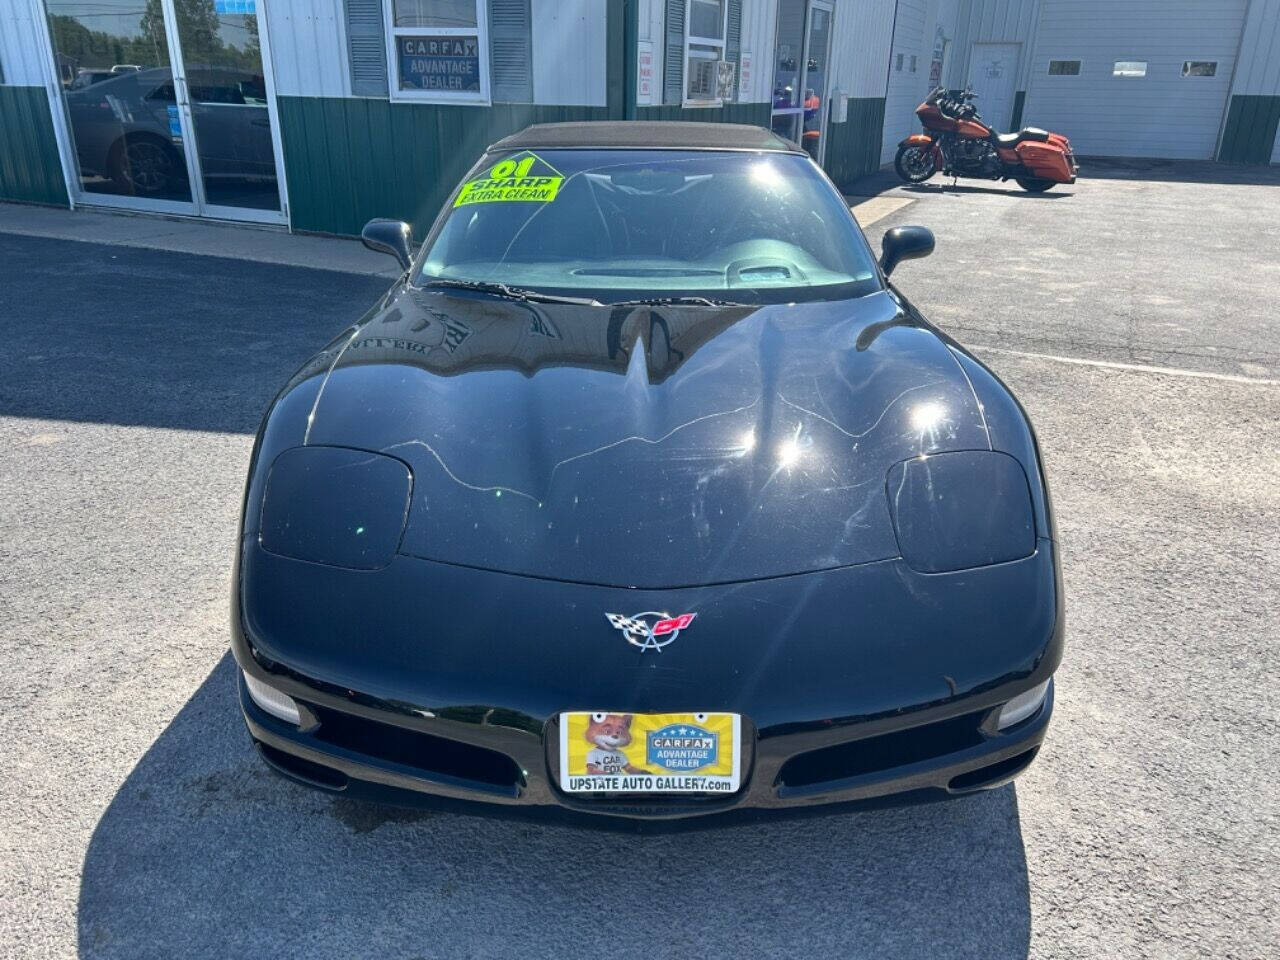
957	142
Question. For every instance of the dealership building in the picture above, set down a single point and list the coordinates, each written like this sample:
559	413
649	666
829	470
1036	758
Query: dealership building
321	114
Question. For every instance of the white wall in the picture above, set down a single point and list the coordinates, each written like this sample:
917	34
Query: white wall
1008	21
569	41
1160	115
759	21
1258	71
860	46
913	35
20	54
759	27
308	47
904	91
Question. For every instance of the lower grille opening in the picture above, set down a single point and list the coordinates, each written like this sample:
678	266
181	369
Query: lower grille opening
996	773
889	750
313	773
411	748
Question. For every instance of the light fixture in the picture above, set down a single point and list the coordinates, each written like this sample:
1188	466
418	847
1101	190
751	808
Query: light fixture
272	700
1022	706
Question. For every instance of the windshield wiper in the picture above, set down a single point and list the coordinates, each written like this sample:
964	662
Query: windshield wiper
678	302
510	292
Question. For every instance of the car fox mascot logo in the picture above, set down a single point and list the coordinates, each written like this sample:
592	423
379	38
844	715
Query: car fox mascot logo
608	733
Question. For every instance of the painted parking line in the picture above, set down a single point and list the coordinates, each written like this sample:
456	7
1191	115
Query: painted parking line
877	208
1137	367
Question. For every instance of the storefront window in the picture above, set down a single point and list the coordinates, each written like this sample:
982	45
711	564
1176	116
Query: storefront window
706	19
788	52
800	71
436	13
438	50
708	78
187	129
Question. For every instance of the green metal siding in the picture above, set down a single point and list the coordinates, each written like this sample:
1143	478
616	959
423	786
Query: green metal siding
349	160
29	166
853	147
616	58
1251	129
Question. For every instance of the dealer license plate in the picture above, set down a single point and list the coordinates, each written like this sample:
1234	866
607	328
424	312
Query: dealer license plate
649	752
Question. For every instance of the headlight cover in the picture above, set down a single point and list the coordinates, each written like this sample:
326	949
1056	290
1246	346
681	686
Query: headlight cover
337	506
954	511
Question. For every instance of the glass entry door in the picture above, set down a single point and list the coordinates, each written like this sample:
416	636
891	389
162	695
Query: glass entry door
788	69
817	69
801	68
168	105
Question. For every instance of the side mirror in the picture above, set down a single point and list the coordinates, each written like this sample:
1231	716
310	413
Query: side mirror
389	236
902	243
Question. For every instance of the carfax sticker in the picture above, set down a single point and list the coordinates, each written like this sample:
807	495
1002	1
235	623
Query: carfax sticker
649	753
524	177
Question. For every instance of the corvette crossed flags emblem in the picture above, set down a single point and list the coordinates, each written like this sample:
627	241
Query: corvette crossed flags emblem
650	630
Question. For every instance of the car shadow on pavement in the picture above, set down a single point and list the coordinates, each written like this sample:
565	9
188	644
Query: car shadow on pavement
152	338
205	853
965	187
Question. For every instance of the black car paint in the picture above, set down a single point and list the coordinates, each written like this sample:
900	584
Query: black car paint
485	640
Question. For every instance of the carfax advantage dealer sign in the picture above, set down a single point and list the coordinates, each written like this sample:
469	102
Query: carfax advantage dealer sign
439	63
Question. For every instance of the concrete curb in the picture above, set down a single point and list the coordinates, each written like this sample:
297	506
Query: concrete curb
237	241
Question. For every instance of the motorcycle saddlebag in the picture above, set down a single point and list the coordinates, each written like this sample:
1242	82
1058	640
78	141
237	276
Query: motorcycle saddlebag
1047	160
1061	141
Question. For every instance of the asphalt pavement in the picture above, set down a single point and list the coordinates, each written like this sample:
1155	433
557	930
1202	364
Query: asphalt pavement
1134	318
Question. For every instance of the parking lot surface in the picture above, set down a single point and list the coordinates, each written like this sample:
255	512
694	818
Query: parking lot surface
1135	319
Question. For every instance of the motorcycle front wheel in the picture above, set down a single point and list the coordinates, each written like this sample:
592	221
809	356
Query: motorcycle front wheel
1035	184
915	164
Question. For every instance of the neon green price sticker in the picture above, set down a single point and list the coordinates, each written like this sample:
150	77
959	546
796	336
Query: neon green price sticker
524	177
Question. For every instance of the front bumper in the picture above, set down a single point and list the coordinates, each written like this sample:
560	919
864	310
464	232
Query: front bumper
377	752
425	683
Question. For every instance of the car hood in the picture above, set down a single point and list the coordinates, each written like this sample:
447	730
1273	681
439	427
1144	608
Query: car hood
647	447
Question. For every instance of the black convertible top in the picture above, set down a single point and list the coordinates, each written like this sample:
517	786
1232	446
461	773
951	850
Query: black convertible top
647	134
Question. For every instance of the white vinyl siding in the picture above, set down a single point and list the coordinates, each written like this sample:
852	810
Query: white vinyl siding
1258	71
309	52
569	46
860	47
995	21
759	23
1161	114
906	89
20	51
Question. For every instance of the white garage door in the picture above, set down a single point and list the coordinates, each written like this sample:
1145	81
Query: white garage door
1143	78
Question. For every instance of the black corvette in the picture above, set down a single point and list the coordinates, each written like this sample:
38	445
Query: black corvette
642	494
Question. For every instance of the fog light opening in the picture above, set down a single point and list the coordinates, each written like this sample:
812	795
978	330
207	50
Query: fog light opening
273	701
1022	706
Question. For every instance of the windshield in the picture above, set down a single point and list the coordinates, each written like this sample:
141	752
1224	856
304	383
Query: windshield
616	225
